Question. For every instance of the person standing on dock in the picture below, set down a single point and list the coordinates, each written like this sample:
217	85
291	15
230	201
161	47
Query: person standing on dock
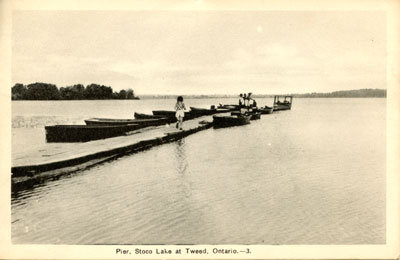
180	112
254	105
240	100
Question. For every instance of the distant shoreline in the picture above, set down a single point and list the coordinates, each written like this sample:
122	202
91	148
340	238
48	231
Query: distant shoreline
358	93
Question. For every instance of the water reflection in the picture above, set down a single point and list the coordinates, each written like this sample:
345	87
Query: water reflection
182	169
180	156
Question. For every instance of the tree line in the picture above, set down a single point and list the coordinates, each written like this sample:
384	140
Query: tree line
46	91
356	93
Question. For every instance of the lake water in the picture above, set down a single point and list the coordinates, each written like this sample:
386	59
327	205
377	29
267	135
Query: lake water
311	175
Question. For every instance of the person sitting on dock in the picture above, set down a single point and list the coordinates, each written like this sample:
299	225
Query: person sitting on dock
180	112
249	98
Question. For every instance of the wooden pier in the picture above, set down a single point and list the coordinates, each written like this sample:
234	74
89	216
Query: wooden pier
54	159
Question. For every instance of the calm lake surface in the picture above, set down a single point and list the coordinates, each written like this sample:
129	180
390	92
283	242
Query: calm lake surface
311	175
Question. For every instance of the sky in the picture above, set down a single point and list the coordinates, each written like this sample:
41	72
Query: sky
202	52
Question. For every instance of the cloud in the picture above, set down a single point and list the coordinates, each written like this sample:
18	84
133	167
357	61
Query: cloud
136	68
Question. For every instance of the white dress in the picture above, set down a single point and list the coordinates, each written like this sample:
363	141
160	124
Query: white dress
180	110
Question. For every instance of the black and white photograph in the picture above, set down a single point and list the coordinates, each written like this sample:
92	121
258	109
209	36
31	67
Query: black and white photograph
198	129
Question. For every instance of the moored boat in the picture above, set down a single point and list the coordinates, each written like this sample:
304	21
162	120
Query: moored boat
279	107
266	110
202	111
171	114
286	104
84	133
146	116
254	115
226	121
222	110
229	107
141	122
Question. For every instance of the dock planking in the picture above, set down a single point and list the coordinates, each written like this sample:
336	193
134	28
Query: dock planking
59	158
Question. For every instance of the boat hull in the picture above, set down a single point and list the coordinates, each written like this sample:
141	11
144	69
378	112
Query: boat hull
112	122
222	110
171	114
253	115
146	116
85	133
227	121
202	111
281	107
229	107
266	110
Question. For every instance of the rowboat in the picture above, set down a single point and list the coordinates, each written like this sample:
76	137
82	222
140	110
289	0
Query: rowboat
202	111
286	104
168	113
84	133
222	110
230	107
171	114
226	121
140	122
146	116
254	115
266	110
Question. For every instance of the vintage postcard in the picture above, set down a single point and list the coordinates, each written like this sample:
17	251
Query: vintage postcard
199	129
